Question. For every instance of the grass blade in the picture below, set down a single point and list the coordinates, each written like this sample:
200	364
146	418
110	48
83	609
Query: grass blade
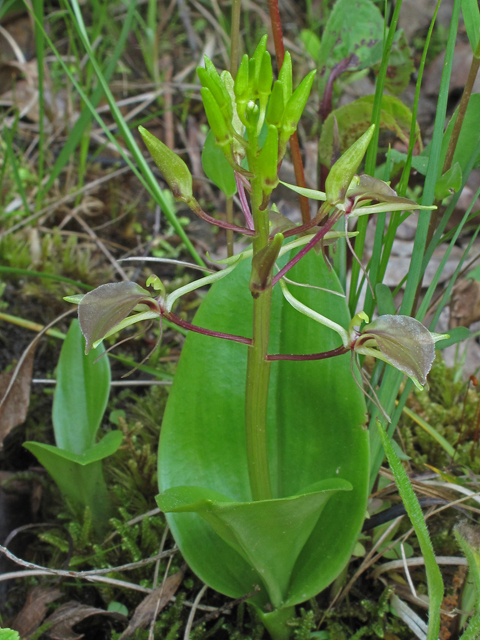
415	271
409	499
371	157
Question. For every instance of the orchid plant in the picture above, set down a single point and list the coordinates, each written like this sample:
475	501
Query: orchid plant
263	459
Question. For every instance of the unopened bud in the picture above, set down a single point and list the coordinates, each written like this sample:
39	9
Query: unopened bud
174	169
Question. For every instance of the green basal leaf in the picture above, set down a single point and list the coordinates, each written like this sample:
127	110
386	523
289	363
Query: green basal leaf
315	419
311	42
449	183
9	634
217	168
355	118
400	65
106	447
385	301
247	526
81	393
469	135
456	335
82	484
471	16
350	30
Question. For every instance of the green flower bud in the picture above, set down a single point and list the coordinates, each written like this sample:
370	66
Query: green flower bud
265	77
210	79
285	77
174	169
276	105
241	88
252	87
268	161
342	172
258	57
215	118
295	105
262	266
241	79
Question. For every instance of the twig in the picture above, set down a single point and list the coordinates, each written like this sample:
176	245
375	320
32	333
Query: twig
225	608
101	246
116	383
193	610
46	211
155	614
417	562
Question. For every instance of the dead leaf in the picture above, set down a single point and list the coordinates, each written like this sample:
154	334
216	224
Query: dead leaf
70	614
33	612
14	410
146	609
465	304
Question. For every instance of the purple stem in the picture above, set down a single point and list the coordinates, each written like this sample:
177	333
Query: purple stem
206	332
339	351
244	202
316	238
197	209
337	70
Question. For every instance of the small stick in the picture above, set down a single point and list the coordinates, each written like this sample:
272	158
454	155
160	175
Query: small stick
193	610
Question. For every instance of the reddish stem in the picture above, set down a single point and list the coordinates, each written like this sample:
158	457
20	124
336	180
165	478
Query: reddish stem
339	351
305	227
294	145
196	208
243	201
316	238
206	332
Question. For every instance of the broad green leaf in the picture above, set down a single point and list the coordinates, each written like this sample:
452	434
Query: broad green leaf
419	163
248	526
385	301
311	42
106	447
468	138
471	17
82	484
315	418
81	393
449	183
9	634
400	65
352	28
217	168
457	334
355	118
